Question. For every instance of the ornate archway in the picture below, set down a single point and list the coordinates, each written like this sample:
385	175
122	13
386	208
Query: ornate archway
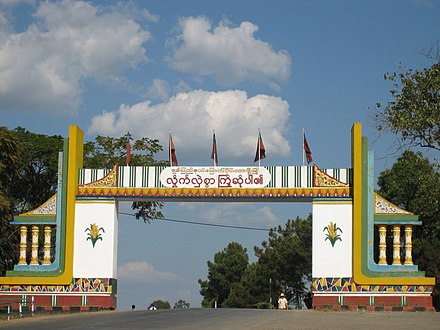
83	215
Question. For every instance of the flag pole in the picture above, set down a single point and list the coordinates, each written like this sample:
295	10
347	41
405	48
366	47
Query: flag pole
259	147
214	154
169	148
303	146
128	149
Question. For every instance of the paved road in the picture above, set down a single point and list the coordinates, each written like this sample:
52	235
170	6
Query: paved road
195	318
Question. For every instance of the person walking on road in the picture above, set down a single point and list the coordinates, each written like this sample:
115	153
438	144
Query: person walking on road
282	302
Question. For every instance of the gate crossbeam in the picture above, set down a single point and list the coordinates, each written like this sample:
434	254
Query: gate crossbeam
283	183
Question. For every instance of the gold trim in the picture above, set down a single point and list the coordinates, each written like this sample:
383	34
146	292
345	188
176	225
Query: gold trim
336	202
386	207
324	192
110	180
47	208
322	179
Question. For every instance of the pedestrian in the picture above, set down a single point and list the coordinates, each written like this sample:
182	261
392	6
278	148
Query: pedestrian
282	302
308	300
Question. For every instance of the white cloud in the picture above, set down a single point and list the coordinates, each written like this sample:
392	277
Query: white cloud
181	87
192	117
144	272
5	27
159	89
15	2
41	69
132	9
229	54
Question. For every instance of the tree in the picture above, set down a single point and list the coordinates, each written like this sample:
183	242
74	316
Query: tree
251	291
35	180
10	151
284	265
28	177
224	274
413	184
105	152
414	114
286	259
161	304
238	296
181	304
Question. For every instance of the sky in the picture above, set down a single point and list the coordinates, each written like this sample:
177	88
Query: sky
191	67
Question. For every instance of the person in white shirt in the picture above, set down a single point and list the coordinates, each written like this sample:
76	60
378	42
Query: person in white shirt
282	302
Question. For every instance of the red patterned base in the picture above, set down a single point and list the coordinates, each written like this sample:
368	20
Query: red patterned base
60	302
384	302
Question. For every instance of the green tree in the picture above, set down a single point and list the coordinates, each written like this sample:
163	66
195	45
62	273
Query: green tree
35	181
106	152
224	275
10	151
286	258
250	291
238	296
181	304
413	184
161	304
284	265
28	175
414	113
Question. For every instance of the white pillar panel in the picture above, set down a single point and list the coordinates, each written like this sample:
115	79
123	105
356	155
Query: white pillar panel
95	239
332	240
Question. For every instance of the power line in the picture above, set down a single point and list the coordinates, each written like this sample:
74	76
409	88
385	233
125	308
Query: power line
204	223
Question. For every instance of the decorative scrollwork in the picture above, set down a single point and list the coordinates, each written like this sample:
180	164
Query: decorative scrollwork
382	206
322	179
110	180
48	208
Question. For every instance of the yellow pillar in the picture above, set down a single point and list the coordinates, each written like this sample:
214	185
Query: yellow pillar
396	245
23	244
382	245
34	246
408	245
47	235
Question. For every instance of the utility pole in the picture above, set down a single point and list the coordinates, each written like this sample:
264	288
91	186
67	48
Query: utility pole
270	290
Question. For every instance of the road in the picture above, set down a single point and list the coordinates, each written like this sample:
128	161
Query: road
216	319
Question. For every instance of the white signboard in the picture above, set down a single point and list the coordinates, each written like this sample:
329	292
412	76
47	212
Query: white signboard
215	177
332	254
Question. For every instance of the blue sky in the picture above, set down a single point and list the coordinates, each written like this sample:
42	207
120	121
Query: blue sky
193	66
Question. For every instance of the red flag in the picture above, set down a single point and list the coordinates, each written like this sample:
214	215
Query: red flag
128	150
172	153
214	154
261	151
307	151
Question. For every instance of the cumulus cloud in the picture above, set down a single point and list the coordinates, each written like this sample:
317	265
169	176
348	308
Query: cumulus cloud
144	272
192	116
229	54
42	67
